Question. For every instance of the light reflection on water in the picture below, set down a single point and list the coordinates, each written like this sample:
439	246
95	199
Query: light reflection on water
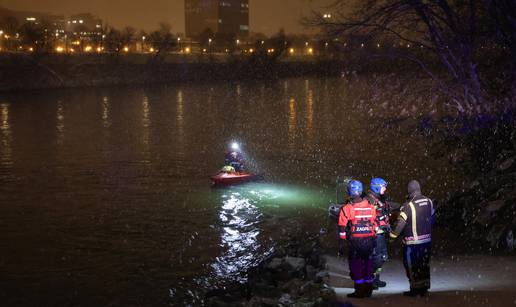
180	120
309	112
242	221
106	122
60	123
146	126
292	124
238	215
5	142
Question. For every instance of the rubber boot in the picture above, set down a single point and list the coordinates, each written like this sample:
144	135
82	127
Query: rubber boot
377	283
368	289
416	292
411	293
359	291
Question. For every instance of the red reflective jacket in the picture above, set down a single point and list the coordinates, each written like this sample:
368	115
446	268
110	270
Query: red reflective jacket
358	220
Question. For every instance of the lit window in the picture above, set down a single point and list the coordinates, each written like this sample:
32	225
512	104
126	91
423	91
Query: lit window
244	28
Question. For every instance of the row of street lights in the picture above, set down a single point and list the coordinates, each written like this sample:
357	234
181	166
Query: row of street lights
238	42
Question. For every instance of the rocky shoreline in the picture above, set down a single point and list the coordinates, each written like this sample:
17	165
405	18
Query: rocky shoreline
293	275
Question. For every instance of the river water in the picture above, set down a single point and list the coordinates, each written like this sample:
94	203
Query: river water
105	197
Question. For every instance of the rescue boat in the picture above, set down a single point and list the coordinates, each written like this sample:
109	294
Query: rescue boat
226	179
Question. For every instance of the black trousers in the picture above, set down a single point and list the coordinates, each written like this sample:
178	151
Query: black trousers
380	252
416	259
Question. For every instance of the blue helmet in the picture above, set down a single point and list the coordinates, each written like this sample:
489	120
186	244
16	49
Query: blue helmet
355	188
377	184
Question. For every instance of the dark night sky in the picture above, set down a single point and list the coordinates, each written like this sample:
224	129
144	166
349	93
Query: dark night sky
266	16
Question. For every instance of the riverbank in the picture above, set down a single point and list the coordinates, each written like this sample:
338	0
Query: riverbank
26	72
319	278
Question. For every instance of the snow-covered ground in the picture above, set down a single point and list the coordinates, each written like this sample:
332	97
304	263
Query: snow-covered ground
456	281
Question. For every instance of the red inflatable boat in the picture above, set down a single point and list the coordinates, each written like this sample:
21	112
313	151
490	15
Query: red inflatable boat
226	179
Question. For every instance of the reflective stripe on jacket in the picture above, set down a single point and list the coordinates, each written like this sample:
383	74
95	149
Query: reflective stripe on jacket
415	221
358	220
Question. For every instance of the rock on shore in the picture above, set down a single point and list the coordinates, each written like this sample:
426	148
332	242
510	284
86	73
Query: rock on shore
292	276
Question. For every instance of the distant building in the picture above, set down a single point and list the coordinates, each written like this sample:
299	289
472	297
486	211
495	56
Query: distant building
85	22
220	16
50	21
84	29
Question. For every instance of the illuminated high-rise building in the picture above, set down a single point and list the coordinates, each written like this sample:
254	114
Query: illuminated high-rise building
220	16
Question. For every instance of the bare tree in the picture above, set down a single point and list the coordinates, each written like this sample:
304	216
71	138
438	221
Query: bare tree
450	29
279	43
162	39
34	35
128	36
10	26
206	38
113	40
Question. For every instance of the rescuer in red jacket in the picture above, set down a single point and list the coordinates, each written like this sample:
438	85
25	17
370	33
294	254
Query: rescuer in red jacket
357	225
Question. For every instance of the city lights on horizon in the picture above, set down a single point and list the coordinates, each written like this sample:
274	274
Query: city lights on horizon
91	36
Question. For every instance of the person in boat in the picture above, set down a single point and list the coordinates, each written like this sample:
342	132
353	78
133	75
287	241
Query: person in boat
415	227
235	159
357	225
376	197
228	169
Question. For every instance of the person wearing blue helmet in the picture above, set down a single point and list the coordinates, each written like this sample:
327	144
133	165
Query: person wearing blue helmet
376	197
357	225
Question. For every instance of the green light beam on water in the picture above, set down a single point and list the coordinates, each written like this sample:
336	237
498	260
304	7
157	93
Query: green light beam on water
278	196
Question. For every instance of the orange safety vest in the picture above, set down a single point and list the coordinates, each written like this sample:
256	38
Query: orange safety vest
359	220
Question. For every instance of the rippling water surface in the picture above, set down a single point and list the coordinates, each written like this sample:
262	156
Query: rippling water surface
105	197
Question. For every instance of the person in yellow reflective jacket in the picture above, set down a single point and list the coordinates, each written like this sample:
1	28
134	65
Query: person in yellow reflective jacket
414	225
